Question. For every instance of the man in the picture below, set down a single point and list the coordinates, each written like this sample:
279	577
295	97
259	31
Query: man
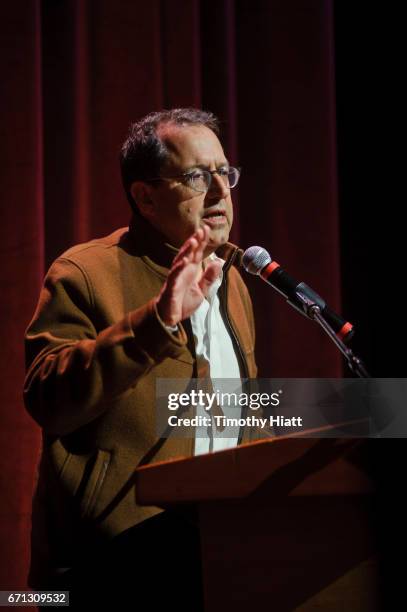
114	315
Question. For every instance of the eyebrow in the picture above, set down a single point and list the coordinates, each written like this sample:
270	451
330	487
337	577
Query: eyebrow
206	166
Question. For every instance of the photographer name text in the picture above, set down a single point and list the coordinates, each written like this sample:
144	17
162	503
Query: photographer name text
223	421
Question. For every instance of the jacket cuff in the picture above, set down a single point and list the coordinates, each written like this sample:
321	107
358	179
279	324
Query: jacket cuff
153	336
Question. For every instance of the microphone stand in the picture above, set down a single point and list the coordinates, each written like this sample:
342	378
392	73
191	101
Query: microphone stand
313	311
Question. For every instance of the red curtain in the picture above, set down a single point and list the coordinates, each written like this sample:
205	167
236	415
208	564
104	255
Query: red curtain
75	74
23	244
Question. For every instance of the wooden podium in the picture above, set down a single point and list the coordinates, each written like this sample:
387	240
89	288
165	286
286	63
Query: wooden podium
285	523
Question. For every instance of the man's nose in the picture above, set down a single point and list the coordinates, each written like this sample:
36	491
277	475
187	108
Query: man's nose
218	188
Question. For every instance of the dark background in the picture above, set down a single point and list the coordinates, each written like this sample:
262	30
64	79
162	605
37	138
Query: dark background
307	92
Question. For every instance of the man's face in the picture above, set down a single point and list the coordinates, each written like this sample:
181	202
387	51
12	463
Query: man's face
177	211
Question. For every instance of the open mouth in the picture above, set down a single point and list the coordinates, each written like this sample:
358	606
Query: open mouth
215	218
215	214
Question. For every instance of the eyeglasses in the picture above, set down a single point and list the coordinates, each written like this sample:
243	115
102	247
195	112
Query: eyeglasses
201	180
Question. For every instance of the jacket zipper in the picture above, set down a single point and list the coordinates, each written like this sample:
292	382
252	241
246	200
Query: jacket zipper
224	310
98	486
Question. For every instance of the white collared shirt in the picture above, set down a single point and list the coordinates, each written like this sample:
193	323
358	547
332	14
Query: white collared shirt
214	344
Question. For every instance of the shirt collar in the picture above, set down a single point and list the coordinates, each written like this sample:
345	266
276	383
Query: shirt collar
217	283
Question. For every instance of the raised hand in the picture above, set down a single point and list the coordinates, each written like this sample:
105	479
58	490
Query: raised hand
188	283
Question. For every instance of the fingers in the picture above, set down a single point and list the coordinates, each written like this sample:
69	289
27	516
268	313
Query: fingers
209	276
194	247
176	270
199	251
169	304
181	274
182	292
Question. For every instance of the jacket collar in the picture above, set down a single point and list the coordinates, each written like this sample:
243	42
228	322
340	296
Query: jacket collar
158	253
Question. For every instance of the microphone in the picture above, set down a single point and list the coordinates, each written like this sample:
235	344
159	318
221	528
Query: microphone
257	260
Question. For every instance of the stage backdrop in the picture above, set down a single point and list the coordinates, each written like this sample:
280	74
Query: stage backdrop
75	73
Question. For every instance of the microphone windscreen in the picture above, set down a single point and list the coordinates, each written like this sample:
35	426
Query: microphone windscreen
255	258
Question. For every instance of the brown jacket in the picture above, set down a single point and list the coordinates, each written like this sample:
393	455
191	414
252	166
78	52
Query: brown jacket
94	350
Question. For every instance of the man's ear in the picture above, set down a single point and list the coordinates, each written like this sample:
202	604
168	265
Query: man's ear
141	195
